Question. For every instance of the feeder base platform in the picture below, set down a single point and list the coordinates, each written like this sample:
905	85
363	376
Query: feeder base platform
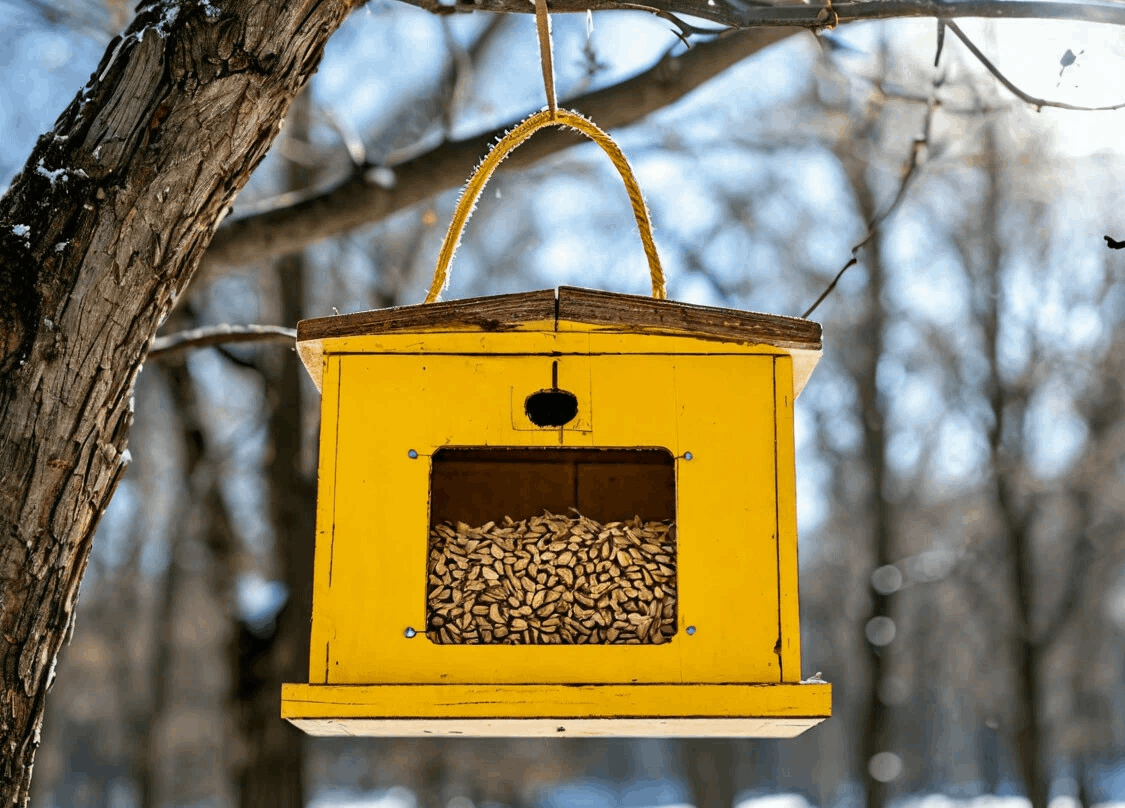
672	710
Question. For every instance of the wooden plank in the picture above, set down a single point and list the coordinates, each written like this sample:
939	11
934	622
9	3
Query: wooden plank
502	312
477	486
789	613
805	700
556	728
322	633
616	492
496	313
476	491
635	311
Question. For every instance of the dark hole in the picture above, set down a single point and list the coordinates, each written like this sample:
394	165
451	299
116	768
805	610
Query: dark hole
551	407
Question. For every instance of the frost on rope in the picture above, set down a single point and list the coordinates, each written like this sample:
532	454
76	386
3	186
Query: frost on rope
472	208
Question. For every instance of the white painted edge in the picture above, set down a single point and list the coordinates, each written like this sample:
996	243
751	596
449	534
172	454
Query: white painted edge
558	727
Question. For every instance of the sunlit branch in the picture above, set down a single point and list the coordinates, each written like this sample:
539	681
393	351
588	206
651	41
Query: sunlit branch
210	336
368	196
1038	103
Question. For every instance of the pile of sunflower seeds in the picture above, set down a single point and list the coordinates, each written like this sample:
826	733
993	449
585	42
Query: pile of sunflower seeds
552	579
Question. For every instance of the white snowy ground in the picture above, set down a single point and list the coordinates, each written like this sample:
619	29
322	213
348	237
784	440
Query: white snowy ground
589	795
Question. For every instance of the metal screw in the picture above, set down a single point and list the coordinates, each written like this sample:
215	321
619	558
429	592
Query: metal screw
409	633
412	454
687	455
690	629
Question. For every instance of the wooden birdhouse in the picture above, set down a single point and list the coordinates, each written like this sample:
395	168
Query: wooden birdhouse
557	513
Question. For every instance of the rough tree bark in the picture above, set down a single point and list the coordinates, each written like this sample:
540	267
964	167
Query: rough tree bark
98	236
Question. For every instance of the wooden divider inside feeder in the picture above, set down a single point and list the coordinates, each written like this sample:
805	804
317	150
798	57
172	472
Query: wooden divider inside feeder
538	546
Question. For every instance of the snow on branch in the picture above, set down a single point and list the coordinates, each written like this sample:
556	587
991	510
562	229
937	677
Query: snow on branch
224	334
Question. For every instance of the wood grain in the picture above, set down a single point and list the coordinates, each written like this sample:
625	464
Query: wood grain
610	309
496	313
636	311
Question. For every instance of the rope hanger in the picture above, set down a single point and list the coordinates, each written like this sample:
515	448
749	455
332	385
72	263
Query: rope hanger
546	53
551	116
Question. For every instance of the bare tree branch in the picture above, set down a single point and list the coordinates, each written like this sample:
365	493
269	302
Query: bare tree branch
908	174
1081	558
369	196
1038	103
220	335
743	14
359	200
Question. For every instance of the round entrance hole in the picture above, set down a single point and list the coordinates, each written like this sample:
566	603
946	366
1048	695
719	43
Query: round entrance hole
551	408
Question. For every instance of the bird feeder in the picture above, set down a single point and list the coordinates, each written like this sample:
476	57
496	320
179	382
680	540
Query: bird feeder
556	513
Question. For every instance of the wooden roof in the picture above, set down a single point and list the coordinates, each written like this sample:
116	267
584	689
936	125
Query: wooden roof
504	312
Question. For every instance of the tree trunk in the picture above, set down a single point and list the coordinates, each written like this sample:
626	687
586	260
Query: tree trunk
709	767
272	776
1007	408
874	731
98	236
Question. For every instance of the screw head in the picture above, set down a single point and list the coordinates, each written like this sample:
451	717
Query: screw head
687	455
690	629
412	454
409	632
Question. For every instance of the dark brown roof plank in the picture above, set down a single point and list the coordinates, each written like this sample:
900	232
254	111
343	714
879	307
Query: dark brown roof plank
504	312
635	311
495	313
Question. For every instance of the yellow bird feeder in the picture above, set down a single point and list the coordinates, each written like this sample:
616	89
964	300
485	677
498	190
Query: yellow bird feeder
556	513
670	412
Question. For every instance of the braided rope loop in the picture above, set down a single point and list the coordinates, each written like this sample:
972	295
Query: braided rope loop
502	149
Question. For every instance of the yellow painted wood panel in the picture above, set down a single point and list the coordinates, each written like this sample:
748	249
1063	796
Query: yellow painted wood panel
576	338
323	619
718	407
790	618
721	411
809	700
581	341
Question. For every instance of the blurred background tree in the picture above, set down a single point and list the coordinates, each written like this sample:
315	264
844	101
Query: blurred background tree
961	453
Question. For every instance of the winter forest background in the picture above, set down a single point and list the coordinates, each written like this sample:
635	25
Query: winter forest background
961	447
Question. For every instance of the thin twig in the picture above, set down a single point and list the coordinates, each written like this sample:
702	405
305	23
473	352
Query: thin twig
1038	103
353	143
752	14
908	175
221	335
237	361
